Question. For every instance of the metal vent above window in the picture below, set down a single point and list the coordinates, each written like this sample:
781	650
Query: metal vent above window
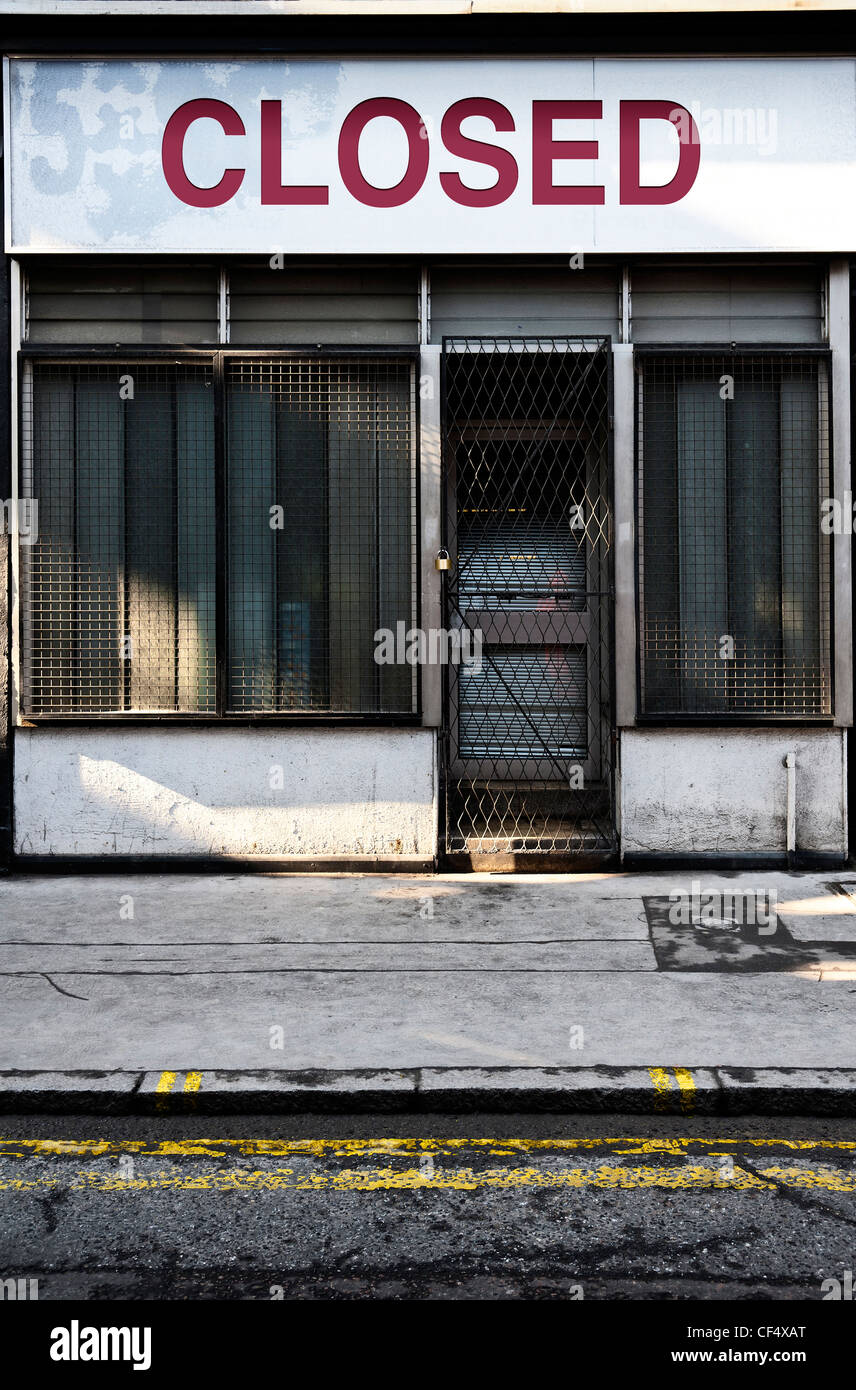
93	301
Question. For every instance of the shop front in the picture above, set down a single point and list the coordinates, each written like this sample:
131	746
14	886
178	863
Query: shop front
422	461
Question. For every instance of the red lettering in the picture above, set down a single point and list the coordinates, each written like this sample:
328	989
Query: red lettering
545	150
349	152
172	153
273	189
632	113
464	147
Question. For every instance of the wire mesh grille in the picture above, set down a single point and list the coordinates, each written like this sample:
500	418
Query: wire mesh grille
119	587
527	738
734	566
330	442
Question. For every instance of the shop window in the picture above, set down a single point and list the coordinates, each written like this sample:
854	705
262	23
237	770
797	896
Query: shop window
733	454
222	535
328	441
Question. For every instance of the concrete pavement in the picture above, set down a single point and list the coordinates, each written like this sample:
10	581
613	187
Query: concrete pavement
587	992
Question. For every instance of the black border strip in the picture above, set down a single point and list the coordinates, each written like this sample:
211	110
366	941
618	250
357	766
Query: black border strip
649	34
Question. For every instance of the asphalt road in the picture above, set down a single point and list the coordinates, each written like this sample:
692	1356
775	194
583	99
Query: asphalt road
363	1207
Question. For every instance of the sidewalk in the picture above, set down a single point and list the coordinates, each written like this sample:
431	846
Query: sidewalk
450	992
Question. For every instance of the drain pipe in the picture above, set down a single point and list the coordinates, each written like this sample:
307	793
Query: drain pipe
790	763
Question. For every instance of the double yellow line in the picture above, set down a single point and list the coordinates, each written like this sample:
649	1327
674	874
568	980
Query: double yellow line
368	1165
662	1083
166	1085
192	1081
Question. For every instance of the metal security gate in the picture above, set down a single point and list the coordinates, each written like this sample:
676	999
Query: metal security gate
527	739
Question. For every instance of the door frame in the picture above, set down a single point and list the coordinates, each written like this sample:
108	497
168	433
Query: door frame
577	625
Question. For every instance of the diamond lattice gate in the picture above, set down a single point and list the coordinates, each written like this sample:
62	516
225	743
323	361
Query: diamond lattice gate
528	736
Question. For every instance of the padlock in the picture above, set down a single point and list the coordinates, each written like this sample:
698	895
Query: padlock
443	560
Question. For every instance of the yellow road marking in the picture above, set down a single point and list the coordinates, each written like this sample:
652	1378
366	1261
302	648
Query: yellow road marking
193	1080
165	1084
660	1078
662	1084
367	1148
364	1165
694	1177
684	1078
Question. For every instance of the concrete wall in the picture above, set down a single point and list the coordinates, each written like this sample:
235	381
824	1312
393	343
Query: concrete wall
367	793
117	792
723	791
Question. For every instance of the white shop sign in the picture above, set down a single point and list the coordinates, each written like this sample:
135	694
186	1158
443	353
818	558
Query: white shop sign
431	156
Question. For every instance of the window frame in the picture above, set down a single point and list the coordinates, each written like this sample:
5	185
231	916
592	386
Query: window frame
737	718
217	356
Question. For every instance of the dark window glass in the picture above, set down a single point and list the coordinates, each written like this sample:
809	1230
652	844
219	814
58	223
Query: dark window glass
120	585
329	443
734	465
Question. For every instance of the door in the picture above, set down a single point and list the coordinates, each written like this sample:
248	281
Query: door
527	738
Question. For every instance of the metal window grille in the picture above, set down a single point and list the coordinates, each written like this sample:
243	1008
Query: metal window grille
119	587
734	566
528	736
151	590
331	442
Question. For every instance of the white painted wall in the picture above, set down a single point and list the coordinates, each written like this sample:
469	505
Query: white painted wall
345	792
715	791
